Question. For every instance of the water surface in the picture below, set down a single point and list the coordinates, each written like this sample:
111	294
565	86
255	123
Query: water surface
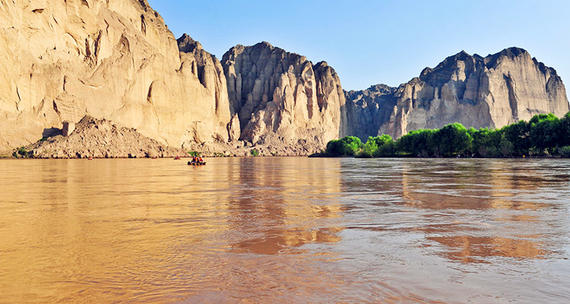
285	230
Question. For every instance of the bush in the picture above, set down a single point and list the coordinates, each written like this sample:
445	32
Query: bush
564	151
254	152
347	146
416	143
506	148
386	150
451	140
545	131
369	149
519	135
485	142
22	152
543	135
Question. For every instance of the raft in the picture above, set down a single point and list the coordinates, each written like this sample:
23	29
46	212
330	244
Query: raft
191	163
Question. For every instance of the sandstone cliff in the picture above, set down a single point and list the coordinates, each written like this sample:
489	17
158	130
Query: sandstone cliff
115	59
282	100
476	91
368	109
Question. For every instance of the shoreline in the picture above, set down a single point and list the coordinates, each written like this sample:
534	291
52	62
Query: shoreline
7	157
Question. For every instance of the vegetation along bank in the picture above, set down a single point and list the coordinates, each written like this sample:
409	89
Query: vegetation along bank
545	135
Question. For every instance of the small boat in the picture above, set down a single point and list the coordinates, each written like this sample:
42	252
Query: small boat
193	163
177	158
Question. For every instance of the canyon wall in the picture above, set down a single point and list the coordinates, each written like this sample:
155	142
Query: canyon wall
282	99
476	91
115	59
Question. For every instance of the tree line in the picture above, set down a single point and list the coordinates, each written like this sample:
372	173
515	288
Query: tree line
543	136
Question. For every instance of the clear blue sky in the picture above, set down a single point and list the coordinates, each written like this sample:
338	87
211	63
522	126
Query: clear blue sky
370	42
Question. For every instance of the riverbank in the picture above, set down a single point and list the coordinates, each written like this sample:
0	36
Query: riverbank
101	138
545	135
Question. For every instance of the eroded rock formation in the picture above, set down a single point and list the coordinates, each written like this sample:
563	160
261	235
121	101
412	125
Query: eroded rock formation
476	91
282	99
115	59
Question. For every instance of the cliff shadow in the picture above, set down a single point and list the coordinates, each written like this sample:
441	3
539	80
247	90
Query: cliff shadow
51	132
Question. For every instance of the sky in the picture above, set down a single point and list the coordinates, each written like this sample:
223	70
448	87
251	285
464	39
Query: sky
383	41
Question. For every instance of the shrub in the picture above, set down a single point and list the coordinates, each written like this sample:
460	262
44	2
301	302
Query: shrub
416	143
370	148
519	135
386	150
564	151
346	146
545	131
485	142
254	152
451	140
506	148
22	152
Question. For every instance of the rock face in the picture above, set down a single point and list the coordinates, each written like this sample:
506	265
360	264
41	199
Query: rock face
115	59
282	100
368	109
211	115
101	138
476	91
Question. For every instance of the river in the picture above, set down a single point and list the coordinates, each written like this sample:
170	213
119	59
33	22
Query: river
285	230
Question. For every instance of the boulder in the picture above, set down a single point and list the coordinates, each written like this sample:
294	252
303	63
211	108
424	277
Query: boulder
68	128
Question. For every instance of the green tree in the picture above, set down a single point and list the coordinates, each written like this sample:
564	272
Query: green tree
386	146
506	148
370	148
416	143
545	132
451	140
564	130
519	136
346	146
486	143
382	145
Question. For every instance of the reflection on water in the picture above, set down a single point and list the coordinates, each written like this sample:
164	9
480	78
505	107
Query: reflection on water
469	248
284	230
281	217
483	185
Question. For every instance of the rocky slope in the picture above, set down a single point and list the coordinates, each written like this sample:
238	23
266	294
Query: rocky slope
476	91
282	99
100	138
115	59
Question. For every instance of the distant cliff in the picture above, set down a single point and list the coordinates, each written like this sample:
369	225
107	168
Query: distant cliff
476	91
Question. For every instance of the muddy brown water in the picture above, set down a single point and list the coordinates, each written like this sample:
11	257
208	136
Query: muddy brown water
285	230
